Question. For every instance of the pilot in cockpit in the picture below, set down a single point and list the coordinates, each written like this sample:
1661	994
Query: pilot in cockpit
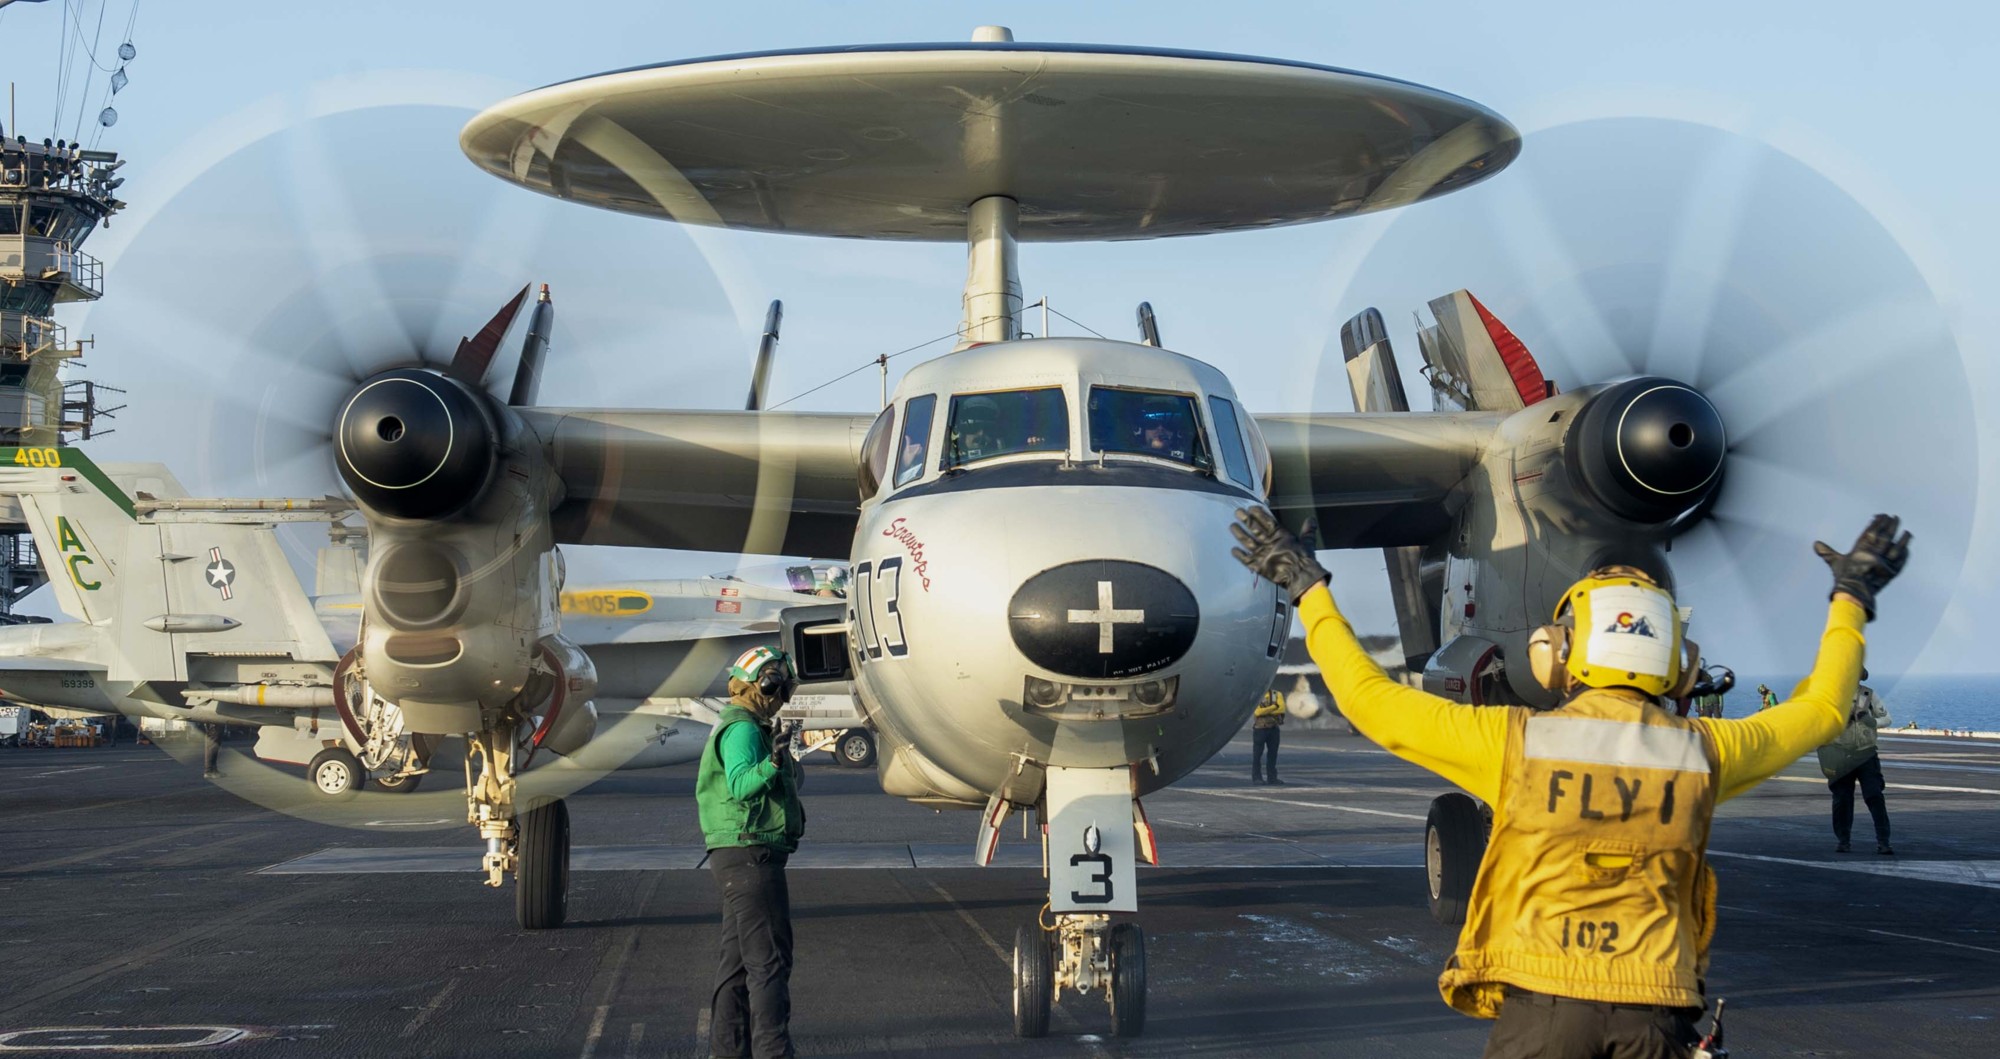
1163	429
976	419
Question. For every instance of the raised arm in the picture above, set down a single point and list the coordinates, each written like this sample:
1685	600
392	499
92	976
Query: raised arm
1753	749
1461	743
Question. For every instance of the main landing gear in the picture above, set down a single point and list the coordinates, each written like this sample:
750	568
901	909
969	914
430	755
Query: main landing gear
385	751
1089	848
1454	844
534	847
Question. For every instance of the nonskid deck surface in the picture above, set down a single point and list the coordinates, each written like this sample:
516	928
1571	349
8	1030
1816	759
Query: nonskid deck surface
1286	920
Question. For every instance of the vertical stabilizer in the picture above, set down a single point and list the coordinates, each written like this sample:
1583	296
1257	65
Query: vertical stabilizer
81	522
168	577
1474	362
1377	386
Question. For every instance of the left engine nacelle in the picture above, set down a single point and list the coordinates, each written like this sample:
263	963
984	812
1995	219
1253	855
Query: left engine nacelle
463	579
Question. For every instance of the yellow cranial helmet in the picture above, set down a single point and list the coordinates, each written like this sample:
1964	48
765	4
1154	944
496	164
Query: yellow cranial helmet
1616	628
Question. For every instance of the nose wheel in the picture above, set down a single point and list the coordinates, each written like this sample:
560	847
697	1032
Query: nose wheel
1034	981
1128	980
1086	953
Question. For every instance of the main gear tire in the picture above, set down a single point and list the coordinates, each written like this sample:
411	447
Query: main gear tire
335	773
541	867
1454	844
1034	981
1128	980
855	748
402	783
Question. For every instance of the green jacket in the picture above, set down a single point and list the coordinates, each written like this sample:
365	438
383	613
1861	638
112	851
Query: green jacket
742	798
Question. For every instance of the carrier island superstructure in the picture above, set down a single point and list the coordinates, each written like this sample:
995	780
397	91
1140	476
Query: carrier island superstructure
53	195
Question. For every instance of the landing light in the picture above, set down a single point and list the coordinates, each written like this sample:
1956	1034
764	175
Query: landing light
1100	701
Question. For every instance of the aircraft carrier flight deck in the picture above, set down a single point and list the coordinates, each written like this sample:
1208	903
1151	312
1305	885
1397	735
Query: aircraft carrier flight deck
150	910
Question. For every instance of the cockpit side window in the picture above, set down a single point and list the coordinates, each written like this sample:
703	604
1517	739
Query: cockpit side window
917	415
875	454
1229	437
1005	423
1164	426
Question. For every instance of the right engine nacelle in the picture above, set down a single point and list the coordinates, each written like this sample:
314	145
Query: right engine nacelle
1579	480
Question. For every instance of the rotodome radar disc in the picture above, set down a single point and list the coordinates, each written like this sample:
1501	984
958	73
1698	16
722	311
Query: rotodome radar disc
1645	246
895	141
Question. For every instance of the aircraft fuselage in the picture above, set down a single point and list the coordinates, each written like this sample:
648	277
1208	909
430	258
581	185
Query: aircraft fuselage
1043	576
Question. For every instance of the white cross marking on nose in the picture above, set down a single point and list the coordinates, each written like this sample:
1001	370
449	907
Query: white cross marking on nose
1104	617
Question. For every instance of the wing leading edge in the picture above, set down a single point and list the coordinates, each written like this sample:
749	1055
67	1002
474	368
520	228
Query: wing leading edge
761	483
1374	480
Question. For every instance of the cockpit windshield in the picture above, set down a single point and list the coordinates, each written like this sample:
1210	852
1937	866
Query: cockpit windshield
1004	423
1148	423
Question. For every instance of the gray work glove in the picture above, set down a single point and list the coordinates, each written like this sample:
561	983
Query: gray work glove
1877	558
781	744
1272	551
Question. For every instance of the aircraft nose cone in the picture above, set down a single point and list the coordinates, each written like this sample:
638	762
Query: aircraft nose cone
1103	619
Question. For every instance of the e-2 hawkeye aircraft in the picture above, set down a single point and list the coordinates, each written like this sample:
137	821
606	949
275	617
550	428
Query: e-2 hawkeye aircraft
187	609
1044	616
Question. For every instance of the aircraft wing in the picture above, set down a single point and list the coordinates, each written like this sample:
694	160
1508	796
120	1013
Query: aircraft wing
783	483
593	633
1374	480
49	665
768	483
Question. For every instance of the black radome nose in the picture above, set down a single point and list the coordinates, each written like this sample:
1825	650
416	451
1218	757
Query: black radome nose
1103	619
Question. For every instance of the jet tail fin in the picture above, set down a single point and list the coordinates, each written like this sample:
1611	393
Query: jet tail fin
122	547
81	522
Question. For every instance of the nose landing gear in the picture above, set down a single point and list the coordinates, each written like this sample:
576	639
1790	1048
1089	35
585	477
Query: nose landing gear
1085	953
1089	849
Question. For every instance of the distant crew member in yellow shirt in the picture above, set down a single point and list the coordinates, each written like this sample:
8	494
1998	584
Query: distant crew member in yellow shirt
1265	727
1588	929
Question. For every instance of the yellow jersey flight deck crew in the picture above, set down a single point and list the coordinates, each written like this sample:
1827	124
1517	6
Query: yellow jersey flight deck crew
1266	725
1589	924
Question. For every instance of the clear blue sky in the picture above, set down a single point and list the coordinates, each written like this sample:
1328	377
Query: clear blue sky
1881	104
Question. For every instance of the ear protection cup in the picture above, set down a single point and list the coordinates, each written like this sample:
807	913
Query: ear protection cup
1548	652
1690	670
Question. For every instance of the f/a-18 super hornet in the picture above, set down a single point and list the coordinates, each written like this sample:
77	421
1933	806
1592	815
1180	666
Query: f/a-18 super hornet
186	609
1044	615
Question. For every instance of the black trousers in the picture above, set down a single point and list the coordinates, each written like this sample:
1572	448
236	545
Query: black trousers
751	1011
1869	775
1534	1026
1264	752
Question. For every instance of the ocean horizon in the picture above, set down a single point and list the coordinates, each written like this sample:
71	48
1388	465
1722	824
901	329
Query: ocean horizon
1961	702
